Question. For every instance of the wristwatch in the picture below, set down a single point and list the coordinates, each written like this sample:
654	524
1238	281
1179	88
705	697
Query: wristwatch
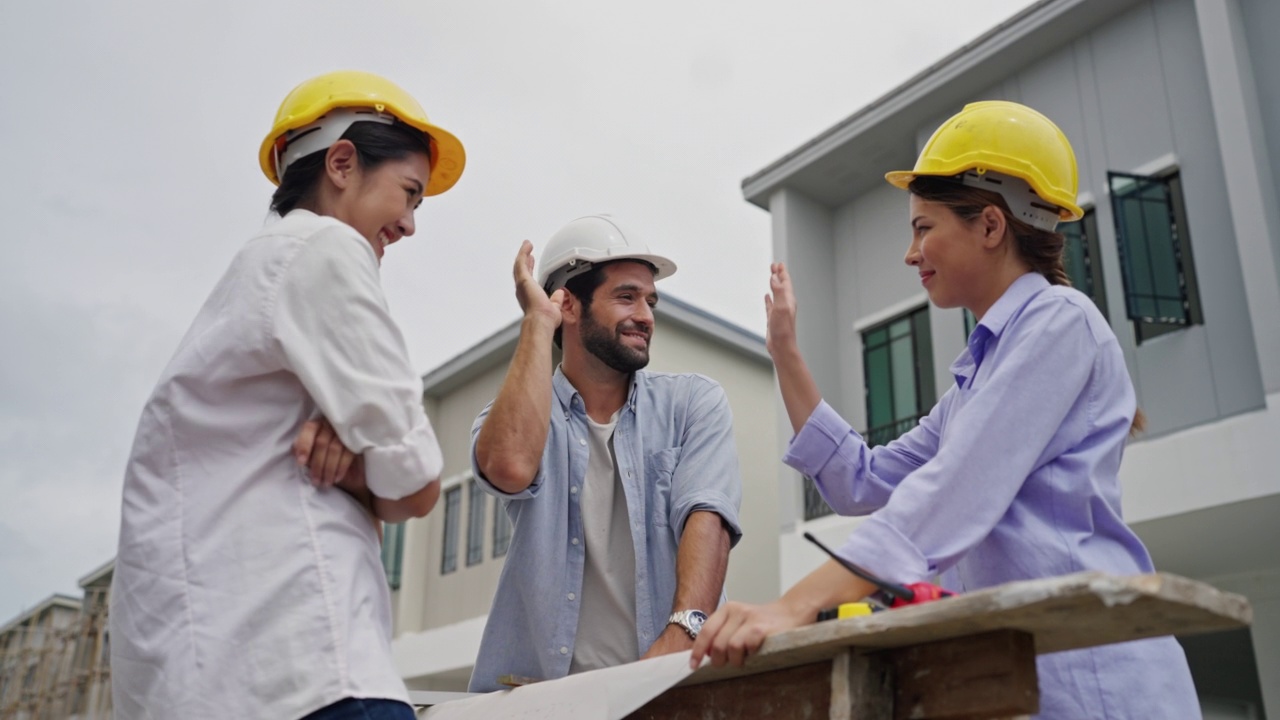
690	620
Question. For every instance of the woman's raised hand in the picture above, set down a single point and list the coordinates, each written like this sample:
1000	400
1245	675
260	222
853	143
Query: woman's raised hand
780	310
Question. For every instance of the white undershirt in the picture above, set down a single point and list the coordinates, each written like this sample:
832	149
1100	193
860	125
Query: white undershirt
607	617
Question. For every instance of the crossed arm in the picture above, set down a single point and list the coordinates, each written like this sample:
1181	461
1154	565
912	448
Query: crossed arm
331	464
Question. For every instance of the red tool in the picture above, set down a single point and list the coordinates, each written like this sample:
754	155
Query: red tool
900	595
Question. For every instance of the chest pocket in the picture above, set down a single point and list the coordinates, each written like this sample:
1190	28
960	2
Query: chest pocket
658	469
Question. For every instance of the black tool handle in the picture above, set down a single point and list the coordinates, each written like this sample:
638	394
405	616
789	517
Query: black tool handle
893	590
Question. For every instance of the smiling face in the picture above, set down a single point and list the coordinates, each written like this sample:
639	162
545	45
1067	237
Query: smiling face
951	256
379	203
618	324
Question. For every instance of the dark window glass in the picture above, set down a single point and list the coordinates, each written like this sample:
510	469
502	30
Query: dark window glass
1160	288
393	552
1083	260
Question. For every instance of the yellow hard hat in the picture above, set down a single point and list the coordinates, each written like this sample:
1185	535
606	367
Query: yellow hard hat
1009	139
318	97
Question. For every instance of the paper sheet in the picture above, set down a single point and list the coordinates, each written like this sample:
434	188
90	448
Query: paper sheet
611	693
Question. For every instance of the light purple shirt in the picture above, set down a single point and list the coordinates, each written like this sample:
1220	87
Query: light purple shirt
1012	476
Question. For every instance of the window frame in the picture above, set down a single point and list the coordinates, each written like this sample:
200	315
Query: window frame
393	553
920	332
502	529
451	521
924	386
1091	255
1146	326
475	522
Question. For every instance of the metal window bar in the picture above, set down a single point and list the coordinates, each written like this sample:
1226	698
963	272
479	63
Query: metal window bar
449	553
501	530
1130	203
475	523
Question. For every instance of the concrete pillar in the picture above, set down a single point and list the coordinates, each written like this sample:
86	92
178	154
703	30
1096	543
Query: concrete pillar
803	239
1262	588
1251	189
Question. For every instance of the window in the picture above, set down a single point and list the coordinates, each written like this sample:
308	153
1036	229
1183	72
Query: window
392	552
1160	289
897	358
475	523
1082	259
501	530
452	507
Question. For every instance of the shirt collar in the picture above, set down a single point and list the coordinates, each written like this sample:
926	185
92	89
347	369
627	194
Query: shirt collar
1017	295
566	392
993	323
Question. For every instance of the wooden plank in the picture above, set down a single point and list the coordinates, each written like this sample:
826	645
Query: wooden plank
796	693
1063	613
992	675
861	687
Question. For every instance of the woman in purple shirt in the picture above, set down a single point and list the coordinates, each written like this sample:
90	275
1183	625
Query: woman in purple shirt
1013	474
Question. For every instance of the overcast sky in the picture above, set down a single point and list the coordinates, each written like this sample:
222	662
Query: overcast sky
130	142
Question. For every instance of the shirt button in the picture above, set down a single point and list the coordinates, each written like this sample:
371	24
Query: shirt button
572	596
574	541
582	441
564	650
573	490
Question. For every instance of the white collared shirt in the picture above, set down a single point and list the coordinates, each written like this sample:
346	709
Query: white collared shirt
240	590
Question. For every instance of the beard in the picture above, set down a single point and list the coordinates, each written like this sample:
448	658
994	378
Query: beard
608	346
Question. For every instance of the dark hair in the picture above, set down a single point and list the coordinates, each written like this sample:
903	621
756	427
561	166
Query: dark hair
376	143
584	286
1040	249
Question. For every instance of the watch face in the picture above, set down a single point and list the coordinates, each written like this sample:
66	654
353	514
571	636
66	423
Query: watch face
696	618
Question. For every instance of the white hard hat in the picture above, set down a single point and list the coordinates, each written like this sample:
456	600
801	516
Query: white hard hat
578	246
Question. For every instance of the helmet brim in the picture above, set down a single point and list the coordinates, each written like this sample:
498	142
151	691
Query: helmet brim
448	157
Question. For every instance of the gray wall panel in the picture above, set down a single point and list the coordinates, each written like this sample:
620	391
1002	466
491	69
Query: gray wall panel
1261	22
1135	112
802	238
848	290
1228	329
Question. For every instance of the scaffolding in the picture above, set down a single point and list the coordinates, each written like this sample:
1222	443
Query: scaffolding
54	659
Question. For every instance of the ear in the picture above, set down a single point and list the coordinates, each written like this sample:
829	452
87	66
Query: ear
994	226
341	163
570	307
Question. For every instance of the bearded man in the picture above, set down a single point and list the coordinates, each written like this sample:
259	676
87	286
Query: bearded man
622	485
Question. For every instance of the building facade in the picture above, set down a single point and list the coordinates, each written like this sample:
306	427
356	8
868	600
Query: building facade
1173	108
54	662
444	568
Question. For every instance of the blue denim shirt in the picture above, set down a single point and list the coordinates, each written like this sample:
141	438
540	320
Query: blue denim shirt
675	453
1013	475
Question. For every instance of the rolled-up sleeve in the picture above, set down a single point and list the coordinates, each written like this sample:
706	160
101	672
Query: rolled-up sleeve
706	476
330	322
853	478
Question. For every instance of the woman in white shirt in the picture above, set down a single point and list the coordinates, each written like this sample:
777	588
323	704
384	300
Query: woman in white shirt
244	588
